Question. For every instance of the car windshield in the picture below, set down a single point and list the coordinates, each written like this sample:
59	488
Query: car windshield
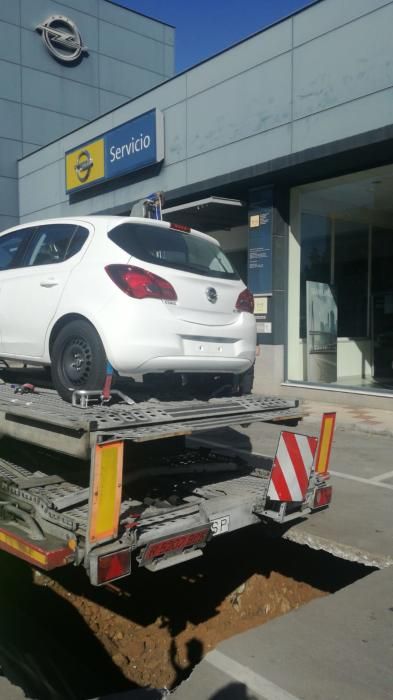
173	248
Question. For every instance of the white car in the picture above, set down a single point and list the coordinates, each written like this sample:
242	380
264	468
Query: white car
146	296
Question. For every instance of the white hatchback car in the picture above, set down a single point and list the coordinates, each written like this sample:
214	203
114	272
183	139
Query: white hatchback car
145	295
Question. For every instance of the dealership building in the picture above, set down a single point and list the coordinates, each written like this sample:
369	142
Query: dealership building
281	147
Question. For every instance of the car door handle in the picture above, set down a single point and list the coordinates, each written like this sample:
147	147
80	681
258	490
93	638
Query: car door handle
49	282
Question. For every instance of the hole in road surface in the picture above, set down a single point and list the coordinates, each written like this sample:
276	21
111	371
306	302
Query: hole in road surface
60	638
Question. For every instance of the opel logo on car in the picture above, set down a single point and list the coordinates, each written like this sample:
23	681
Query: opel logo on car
62	39
211	295
83	165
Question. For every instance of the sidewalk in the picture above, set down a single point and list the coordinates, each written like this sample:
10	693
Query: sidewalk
335	647
367	420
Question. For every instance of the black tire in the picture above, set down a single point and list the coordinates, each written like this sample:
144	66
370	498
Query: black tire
78	359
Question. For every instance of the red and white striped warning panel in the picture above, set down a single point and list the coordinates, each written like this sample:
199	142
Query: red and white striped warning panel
291	467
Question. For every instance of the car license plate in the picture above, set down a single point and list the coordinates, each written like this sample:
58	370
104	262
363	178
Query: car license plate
220	525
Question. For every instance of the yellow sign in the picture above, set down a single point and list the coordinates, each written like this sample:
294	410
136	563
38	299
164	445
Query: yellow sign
85	165
260	305
254	220
106	495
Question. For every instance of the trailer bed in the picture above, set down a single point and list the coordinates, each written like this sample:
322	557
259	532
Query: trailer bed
45	419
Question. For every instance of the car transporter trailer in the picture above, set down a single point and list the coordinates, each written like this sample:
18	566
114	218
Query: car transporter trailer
148	498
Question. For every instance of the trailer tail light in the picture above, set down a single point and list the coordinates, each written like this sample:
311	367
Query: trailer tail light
175	544
139	283
245	302
322	497
113	566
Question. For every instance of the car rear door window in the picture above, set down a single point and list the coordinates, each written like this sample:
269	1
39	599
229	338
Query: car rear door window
54	243
173	248
12	246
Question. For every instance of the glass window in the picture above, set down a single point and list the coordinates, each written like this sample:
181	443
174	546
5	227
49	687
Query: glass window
315	257
173	248
238	260
382	261
55	243
12	246
341	250
351	278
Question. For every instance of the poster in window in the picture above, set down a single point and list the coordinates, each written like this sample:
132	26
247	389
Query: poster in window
260	246
321	333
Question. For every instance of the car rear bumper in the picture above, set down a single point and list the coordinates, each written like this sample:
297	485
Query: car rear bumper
182	363
155	341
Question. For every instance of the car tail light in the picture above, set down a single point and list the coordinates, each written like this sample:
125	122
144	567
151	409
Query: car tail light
139	283
322	496
180	227
113	566
245	301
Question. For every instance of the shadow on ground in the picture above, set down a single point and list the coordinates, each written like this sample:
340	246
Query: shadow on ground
45	646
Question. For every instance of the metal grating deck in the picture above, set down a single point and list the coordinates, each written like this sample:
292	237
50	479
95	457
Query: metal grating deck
137	421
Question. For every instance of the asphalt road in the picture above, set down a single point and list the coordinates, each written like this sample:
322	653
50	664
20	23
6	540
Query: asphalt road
359	523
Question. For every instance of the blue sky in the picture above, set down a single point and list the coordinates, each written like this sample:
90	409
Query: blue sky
204	27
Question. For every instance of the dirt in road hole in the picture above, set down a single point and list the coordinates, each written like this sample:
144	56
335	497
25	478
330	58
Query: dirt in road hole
151	629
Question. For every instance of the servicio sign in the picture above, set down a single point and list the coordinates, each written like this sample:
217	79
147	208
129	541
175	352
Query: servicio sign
129	147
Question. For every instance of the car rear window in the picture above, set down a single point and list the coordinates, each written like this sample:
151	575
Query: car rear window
173	248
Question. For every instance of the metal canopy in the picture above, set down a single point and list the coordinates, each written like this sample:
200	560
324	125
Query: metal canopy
209	214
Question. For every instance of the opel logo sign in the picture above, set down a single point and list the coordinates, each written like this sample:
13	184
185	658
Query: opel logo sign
211	295
83	165
62	39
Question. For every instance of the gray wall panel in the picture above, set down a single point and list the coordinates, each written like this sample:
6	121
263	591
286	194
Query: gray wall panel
235	111
162	97
35	55
110	100
41	126
10	88
325	16
272	144
10	151
242	57
29	148
10	11
41	189
327	73
168	64
8	196
43	158
352	118
169	35
125	79
9	42
250	103
8	222
131	48
58	94
89	6
34	13
87	133
132	21
175	121
10	120
59	98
